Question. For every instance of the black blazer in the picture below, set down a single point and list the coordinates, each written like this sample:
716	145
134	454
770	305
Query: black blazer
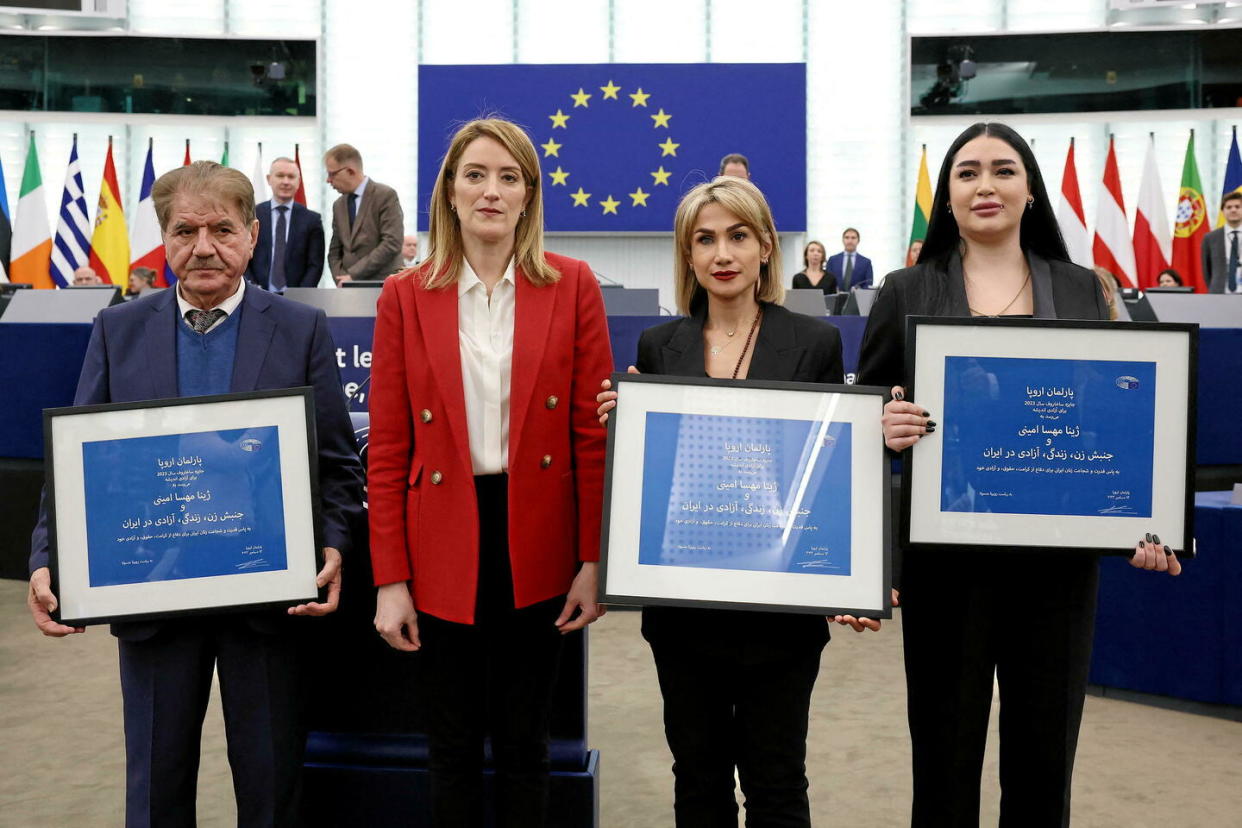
828	284
303	250
1061	291
789	347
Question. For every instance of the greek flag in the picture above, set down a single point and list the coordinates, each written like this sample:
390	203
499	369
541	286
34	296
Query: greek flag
71	248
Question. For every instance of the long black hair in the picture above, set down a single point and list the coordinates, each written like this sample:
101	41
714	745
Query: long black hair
1039	229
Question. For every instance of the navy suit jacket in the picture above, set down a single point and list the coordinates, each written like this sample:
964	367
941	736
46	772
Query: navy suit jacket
304	248
861	277
132	356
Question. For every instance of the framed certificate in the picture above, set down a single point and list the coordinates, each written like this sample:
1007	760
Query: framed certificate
1053	434
746	495
182	506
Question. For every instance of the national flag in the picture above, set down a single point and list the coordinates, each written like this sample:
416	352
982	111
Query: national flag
145	242
187	161
1112	248
619	144
1071	216
1233	177
1153	241
922	207
300	195
1192	224
71	248
259	179
32	238
224	159
6	229
110	242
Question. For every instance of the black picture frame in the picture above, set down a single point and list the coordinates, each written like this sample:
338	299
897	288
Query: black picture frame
1173	347
767	591
291	410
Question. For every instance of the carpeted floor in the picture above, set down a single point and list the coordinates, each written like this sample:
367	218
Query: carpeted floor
62	762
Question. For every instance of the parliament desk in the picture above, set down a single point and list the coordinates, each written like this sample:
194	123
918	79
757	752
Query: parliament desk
1177	637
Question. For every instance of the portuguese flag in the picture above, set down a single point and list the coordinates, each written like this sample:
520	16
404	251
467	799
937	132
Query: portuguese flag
922	207
1192	223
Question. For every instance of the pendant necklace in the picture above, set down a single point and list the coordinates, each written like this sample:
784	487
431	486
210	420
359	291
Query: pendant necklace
1017	295
716	349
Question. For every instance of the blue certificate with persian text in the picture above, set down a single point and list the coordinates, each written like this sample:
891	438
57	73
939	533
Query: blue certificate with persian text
746	493
1048	436
181	506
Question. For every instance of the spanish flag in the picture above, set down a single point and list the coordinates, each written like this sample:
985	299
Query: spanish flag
32	236
110	241
922	207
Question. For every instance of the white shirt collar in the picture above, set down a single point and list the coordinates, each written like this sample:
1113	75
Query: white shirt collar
228	305
469	278
362	185
276	202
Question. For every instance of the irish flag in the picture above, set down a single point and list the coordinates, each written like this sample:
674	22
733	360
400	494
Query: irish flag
1153	241
922	207
1112	248
32	236
110	241
1070	215
1192	223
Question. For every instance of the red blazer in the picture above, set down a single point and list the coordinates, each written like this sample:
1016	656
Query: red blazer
420	484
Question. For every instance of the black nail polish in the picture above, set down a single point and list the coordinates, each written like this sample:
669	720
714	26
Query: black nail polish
1149	540
1142	545
1155	539
931	429
925	414
899	396
931	423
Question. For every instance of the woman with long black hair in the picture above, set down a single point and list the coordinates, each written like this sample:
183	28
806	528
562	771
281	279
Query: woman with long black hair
993	248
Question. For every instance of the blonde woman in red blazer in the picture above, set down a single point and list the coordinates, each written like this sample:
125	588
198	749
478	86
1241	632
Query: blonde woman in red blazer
486	470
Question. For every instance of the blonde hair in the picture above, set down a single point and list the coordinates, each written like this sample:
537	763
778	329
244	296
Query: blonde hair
445	252
203	178
744	200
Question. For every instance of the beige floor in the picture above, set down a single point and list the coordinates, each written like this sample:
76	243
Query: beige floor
62	761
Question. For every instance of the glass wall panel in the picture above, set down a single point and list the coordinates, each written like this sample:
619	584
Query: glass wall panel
276	18
1051	15
741	35
562	31
661	31
936	17
480	31
181	17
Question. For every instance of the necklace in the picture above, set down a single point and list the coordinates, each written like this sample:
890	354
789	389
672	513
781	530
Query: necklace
1025	282
717	349
747	346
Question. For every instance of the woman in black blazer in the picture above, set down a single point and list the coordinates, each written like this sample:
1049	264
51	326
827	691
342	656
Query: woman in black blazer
814	274
736	685
993	248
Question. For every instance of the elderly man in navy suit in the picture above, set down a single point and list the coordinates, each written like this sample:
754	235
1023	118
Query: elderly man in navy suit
850	268
290	247
213	334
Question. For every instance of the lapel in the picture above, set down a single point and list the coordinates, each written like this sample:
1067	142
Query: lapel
1041	287
159	340
531	323
438	320
683	355
776	354
254	336
958	305
365	204
340	218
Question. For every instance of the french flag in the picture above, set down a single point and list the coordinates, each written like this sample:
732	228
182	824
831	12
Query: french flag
1112	247
145	239
1153	240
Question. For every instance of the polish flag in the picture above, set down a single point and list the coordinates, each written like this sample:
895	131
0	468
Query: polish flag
1153	238
1070	214
145	242
1112	247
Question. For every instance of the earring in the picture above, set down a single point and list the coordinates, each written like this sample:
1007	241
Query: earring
1030	202
452	208
523	214
949	207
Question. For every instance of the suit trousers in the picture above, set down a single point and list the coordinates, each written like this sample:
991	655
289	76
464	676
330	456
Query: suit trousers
491	678
165	685
721	711
1027	619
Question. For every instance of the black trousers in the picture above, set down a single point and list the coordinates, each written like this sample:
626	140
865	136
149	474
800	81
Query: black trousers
1027	618
165	685
721	711
491	678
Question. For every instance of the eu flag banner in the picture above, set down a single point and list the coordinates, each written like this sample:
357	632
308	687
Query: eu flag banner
620	143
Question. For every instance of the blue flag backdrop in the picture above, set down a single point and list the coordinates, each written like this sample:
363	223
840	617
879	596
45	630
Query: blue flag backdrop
619	143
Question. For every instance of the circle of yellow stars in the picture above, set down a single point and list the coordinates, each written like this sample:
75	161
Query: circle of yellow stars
582	98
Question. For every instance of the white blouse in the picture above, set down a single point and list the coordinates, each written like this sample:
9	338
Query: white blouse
485	334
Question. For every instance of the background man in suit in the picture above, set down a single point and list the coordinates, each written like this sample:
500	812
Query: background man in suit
1222	249
736	165
850	268
211	335
367	223
409	251
289	252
